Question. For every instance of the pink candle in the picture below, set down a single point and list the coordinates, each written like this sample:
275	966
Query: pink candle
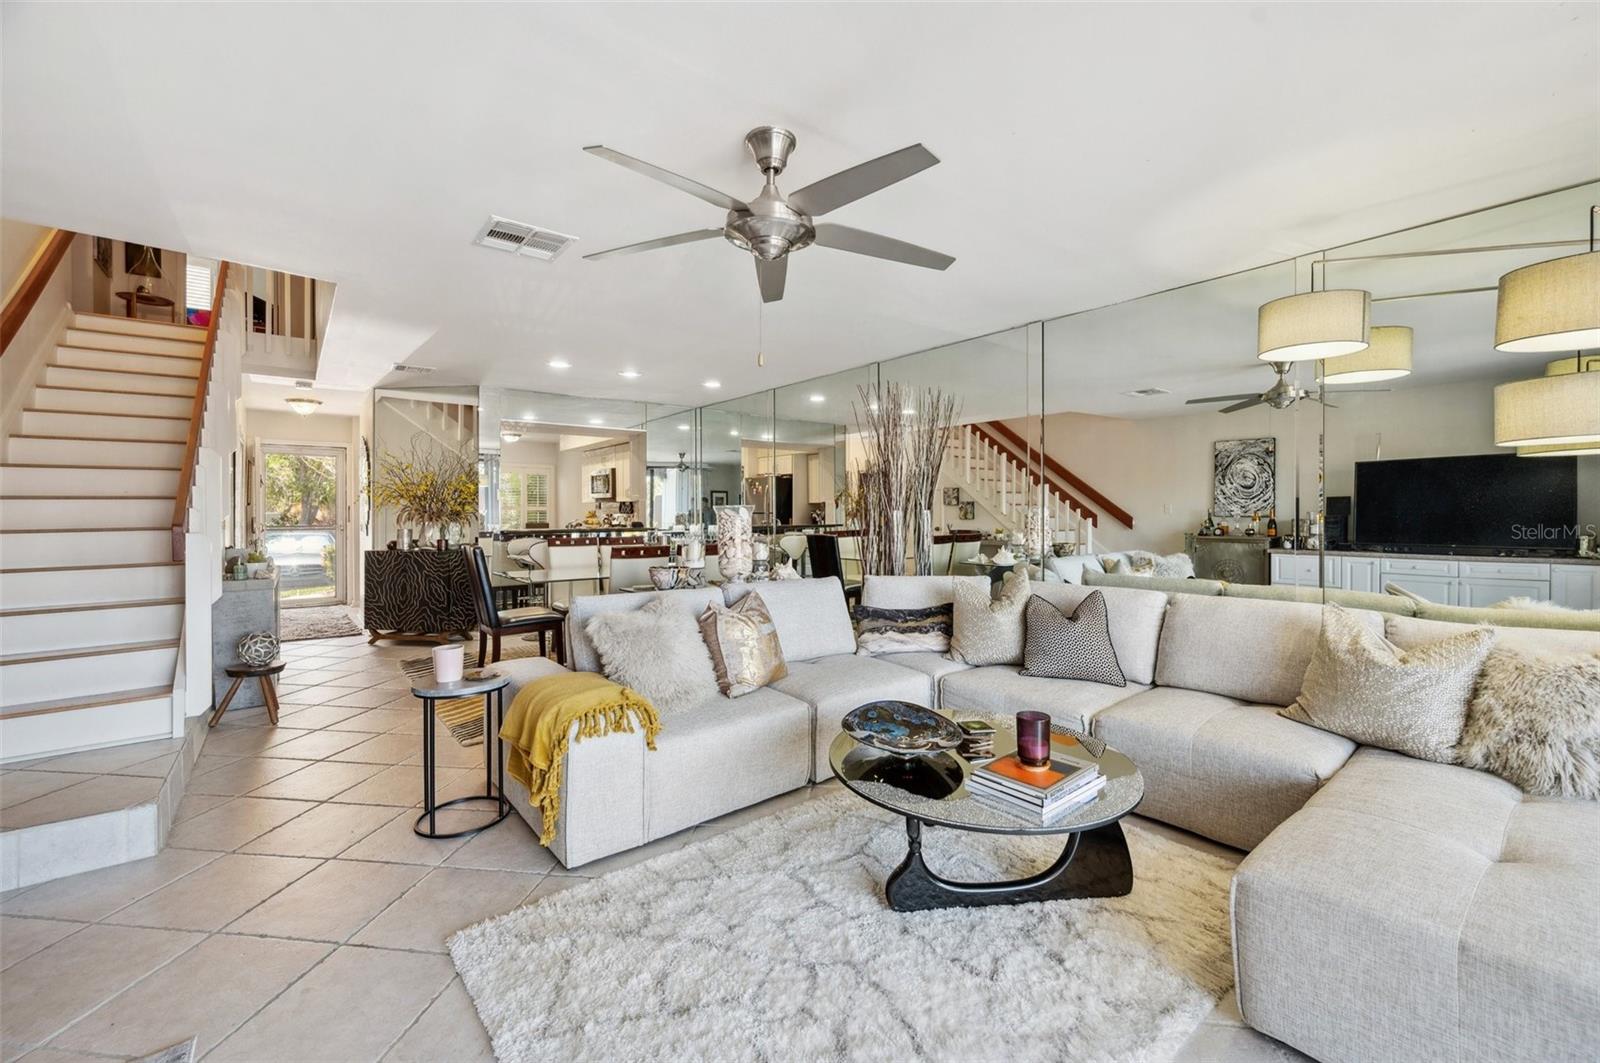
1033	739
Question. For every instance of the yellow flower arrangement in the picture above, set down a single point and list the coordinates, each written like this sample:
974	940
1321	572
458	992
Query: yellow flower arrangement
428	485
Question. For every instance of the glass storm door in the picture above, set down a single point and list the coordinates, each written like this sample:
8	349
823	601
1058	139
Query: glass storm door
303	522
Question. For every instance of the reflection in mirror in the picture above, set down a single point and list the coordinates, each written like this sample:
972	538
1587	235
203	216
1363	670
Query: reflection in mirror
422	437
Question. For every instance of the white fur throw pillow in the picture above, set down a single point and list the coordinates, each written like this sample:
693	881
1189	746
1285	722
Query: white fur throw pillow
1535	721
657	651
985	631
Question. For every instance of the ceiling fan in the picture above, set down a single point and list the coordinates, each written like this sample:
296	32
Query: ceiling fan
772	225
1280	396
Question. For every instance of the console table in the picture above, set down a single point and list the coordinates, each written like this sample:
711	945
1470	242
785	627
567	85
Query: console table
413	594
1234	558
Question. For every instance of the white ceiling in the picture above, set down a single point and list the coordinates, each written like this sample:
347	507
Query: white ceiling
1091	152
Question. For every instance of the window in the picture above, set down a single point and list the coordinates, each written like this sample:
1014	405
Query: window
524	495
199	284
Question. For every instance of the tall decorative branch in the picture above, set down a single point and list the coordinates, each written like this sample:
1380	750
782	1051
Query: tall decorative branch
927	439
904	434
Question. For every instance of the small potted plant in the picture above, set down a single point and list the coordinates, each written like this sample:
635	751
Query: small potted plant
256	562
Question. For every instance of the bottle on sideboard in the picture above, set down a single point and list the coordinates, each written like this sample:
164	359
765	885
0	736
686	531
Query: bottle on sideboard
1272	523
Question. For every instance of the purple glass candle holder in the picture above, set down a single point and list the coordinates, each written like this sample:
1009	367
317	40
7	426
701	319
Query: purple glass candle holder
1033	739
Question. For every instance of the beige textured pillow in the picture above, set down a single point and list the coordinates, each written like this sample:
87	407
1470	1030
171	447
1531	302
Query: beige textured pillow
744	646
985	631
1363	687
1535	721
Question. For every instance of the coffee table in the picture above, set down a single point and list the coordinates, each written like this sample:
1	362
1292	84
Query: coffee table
931	790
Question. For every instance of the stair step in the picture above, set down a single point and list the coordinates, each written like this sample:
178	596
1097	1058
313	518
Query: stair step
97	358
109	479
111	400
126	342
76	585
19	513
74	423
93	701
82	627
56	450
44	548
26	678
130	380
129	326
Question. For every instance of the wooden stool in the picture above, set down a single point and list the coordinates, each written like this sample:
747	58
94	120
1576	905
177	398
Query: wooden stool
241	672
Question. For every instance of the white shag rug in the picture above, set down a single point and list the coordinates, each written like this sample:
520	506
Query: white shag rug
773	942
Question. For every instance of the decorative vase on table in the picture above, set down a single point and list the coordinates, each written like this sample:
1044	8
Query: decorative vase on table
258	649
735	542
1038	530
923	552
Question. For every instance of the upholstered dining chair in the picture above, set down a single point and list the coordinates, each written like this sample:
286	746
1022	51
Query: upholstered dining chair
494	623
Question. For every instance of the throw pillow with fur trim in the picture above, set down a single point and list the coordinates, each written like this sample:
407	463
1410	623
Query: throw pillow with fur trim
1534	721
657	651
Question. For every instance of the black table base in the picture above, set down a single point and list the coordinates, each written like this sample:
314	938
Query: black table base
494	770
1094	863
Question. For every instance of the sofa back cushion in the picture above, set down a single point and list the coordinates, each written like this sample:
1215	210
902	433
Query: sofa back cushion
1135	619
1166	584
1408	632
810	615
1070	569
1379	603
581	652
1553	619
913	592
1245	648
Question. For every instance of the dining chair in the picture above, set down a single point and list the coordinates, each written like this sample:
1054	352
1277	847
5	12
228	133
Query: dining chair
494	623
823	550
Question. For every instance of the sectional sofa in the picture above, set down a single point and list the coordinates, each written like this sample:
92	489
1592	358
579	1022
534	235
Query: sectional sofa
1388	909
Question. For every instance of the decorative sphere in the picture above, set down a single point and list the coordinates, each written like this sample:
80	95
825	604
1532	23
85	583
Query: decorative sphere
258	648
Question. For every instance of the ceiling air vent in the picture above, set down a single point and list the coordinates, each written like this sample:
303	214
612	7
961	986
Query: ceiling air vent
520	238
1147	393
398	368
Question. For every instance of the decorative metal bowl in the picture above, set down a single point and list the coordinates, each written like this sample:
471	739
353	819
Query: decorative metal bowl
901	728
258	649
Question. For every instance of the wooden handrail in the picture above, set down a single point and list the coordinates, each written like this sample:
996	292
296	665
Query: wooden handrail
1064	474
1012	458
33	284
197	416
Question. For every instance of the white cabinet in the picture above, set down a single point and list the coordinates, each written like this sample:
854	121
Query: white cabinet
1575	586
1478	593
1438	589
1300	570
1361	574
1467	582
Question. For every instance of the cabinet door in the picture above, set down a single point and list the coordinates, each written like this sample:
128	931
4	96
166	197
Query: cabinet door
1479	593
1294	570
1438	589
1575	586
1361	574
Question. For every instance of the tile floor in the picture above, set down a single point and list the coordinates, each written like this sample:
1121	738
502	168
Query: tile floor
293	895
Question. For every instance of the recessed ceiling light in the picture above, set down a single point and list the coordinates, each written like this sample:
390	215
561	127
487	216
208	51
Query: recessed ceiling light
818	398
766	435
510	437
733	431
529	416
597	420
712	384
629	374
683	428
559	363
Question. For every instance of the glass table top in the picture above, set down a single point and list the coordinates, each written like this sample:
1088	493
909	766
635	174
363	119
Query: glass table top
932	787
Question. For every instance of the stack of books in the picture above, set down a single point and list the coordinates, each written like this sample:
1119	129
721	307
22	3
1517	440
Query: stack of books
1042	794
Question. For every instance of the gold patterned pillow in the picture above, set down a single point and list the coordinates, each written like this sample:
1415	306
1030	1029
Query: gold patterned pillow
1365	688
985	631
743	641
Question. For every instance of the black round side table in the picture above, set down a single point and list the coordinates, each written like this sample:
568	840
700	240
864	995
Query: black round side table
494	766
241	672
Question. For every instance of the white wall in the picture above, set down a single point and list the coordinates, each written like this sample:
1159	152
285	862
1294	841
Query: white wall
19	242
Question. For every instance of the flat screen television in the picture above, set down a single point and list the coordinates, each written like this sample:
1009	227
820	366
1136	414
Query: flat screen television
1476	503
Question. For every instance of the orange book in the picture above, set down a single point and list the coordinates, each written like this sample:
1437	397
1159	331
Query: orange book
1034	778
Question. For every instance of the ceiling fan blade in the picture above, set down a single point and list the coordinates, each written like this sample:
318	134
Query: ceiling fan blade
662	241
847	186
678	181
861	242
1253	400
771	275
1223	398
1325	402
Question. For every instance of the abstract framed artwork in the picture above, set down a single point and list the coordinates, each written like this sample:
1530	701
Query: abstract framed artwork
1246	476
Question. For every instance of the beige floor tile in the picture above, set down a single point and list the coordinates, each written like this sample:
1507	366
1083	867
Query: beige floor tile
193	804
216	894
397	842
94	895
314	676
348	1008
19	786
552	884
95	794
318	716
316	745
368	675
400	786
208	992
381	749
449	1029
250	741
21	938
240	776
330	903
507	846
448	752
112	759
325	830
316	694
318	781
446	900
628	858
209	761
237	716
376	721
61	1055
52	988
229	826
369	698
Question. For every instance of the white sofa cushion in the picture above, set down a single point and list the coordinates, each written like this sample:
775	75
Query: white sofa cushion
914	592
1409	632
1243	648
1070	569
834	685
1002	689
1135	618
810	614
580	651
935	666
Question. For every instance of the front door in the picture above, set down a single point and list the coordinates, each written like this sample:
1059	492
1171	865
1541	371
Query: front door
303	521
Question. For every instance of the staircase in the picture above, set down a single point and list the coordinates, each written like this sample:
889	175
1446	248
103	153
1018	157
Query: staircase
91	600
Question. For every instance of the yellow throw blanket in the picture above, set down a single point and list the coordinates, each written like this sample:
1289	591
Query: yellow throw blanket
539	723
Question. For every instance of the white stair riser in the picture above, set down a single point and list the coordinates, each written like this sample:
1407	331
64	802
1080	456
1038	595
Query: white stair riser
31	590
47	398
73	677
22	549
75	377
103	426
111	512
60	732
50	480
127	326
115	341
93	452
45	632
84	358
